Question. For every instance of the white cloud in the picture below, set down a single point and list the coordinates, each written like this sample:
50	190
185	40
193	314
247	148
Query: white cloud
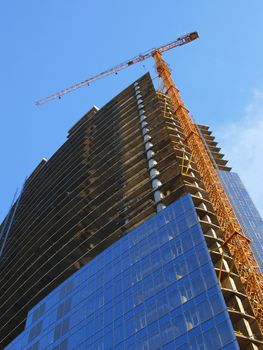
242	142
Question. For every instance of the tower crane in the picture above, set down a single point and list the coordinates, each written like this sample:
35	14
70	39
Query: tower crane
234	238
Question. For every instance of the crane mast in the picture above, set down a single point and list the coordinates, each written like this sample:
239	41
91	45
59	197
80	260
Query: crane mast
235	240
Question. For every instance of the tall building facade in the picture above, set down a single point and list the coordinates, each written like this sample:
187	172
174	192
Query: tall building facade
113	242
245	210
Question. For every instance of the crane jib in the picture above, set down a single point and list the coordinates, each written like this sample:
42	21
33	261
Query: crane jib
178	42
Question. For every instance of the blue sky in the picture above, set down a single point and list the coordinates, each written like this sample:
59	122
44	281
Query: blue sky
49	45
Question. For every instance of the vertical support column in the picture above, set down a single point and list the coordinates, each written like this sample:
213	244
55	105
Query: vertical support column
152	163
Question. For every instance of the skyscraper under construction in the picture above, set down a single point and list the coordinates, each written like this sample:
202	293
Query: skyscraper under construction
113	243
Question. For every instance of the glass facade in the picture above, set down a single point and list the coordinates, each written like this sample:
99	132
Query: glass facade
155	288
247	214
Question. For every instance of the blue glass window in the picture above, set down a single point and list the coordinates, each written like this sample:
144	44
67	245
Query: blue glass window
154	288
35	331
61	329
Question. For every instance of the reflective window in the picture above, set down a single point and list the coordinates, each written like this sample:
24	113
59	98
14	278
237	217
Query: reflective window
66	289
35	331
247	214
61	329
154	288
62	346
64	308
38	312
35	346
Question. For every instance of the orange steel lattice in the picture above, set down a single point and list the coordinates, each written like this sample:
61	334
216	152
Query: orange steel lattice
235	240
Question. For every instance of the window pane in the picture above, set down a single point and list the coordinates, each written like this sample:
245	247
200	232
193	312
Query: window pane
35	331
204	311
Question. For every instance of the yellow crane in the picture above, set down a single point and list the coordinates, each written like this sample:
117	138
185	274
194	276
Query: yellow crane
235	240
